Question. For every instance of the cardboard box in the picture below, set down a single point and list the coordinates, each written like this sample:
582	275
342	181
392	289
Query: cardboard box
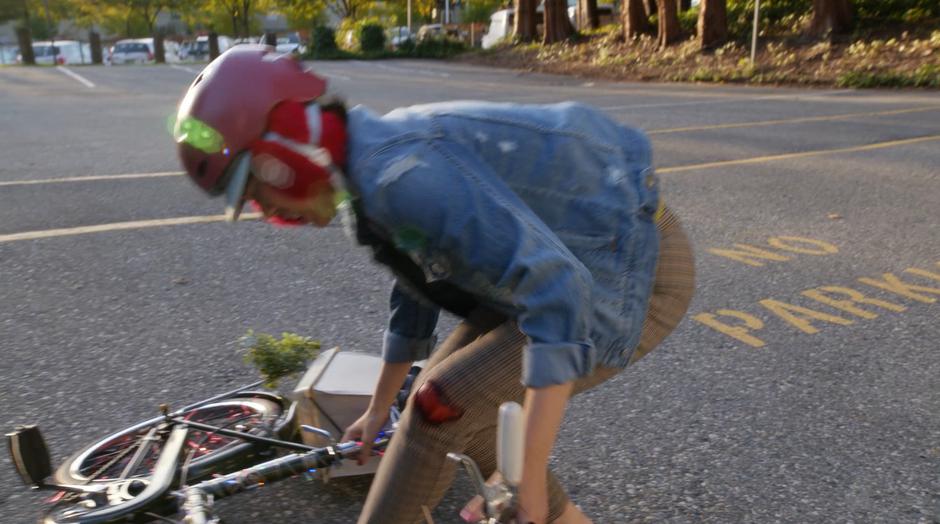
332	394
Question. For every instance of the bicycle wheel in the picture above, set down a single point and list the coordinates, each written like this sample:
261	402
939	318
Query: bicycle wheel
132	452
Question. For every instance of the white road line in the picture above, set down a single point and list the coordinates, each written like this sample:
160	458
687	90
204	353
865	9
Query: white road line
712	101
88	83
93	178
333	75
119	226
184	68
403	69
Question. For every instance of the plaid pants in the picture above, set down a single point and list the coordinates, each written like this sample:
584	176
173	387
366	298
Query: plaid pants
478	368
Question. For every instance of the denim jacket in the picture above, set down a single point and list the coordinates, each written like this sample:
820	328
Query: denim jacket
543	213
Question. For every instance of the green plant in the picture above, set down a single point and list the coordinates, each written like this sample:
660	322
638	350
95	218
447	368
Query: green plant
371	38
278	358
323	41
688	20
439	47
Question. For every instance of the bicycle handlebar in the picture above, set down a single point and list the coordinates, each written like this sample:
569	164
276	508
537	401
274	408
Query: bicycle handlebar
198	498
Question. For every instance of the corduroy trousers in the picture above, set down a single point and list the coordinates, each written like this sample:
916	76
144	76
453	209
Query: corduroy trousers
478	368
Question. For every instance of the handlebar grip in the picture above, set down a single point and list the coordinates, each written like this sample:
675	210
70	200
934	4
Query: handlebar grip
510	440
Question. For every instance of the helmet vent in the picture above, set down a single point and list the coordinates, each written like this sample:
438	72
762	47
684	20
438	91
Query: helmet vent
201	169
198	79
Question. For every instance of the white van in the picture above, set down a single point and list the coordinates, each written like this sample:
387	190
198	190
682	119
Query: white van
500	27
65	51
200	48
141	51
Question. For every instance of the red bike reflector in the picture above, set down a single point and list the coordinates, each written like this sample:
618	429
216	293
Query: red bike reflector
434	406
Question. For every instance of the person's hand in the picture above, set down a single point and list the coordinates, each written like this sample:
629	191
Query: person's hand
531	504
365	430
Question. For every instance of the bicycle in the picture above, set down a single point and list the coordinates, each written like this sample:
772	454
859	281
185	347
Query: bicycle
228	443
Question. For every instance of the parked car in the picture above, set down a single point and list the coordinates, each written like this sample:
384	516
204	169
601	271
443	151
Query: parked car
397	36
8	54
141	51
200	48
290	43
438	31
131	52
500	27
64	52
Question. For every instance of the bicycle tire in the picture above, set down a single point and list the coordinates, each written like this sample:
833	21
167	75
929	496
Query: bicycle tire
255	414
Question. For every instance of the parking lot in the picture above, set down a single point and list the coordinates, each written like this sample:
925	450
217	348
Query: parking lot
802	387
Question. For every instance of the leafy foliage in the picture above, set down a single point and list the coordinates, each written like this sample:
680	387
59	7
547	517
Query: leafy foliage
279	358
323	41
371	38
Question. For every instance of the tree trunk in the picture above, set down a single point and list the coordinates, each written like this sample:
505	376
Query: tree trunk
235	23
635	21
557	25
94	40
587	15
685	5
246	20
669	29
159	50
712	23
830	17
651	7
524	26
25	39
213	46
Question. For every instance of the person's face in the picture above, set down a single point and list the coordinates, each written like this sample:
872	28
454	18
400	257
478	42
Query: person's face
318	209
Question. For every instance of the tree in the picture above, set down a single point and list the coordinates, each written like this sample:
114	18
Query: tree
14	10
557	24
830	17
349	8
651	7
669	29
712	23
587	15
524	25
301	13
635	20
149	10
685	5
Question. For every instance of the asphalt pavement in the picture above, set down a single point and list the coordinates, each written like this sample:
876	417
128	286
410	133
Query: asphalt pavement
802	387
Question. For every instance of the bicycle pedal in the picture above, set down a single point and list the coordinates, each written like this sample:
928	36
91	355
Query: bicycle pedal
30	455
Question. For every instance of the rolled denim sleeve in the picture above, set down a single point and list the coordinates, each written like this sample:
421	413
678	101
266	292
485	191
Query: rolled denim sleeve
410	333
475	225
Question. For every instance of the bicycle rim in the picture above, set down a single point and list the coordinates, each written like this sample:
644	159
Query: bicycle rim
132	452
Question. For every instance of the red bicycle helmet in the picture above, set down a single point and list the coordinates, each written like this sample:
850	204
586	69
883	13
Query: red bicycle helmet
226	109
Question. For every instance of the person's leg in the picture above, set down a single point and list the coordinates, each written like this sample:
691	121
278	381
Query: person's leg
670	298
474	379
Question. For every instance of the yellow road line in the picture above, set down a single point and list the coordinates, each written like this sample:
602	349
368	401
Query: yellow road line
791	120
89	178
789	156
141	224
101	228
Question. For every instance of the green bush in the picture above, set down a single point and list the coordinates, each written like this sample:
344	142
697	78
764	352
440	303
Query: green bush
925	76
874	12
688	20
323	41
440	47
371	38
779	16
